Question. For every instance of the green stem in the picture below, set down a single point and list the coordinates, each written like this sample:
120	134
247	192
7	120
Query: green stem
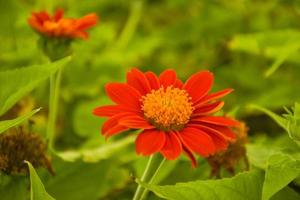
149	175
55	80
145	193
131	24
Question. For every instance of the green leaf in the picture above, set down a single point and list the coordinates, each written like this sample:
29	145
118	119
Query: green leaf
97	154
278	119
13	187
243	186
271	44
37	189
87	181
4	125
281	170
286	194
17	83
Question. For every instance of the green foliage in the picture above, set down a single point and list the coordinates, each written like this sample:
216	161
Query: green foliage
4	125
12	188
96	154
37	189
279	45
19	82
281	170
80	181
251	46
246	185
290	121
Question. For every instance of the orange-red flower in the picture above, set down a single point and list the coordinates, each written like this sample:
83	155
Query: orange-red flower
57	26
175	117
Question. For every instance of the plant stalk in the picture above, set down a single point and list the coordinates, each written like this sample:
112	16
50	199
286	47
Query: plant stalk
152	169
55	81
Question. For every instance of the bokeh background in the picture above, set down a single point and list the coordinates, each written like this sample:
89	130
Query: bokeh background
250	45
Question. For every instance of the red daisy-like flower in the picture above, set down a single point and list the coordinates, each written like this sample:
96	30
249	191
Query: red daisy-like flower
57	26
175	117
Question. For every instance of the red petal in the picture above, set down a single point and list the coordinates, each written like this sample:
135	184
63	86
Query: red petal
153	80
110	110
42	16
199	84
178	84
124	94
197	141
216	120
216	95
113	121
87	21
58	14
167	78
227	132
220	140
115	130
138	80
220	131
172	147
136	122
208	109
190	155
149	142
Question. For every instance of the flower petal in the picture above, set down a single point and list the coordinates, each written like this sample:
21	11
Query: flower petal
220	140
153	80
149	142
172	147
115	130
216	95
226	132
199	84
178	84
136	122
223	132
197	141
208	109
87	21
167	78
190	155
113	121
138	80
59	13
109	110
216	120
124	94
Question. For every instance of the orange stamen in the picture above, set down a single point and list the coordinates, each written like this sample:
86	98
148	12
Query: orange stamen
167	109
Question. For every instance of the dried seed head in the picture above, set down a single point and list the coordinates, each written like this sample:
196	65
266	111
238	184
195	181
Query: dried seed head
17	145
231	157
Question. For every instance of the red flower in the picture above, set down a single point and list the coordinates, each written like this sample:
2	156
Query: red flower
175	117
57	26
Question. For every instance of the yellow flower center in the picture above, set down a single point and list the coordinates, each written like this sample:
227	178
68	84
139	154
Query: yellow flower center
167	109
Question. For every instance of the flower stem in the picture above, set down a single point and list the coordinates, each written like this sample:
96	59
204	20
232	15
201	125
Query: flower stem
55	80
153	167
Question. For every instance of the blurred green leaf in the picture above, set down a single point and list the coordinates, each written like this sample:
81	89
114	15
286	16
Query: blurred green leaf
82	181
17	83
278	119
97	154
287	194
13	187
37	189
84	122
293	122
4	125
279	45
289	122
281	170
248	184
